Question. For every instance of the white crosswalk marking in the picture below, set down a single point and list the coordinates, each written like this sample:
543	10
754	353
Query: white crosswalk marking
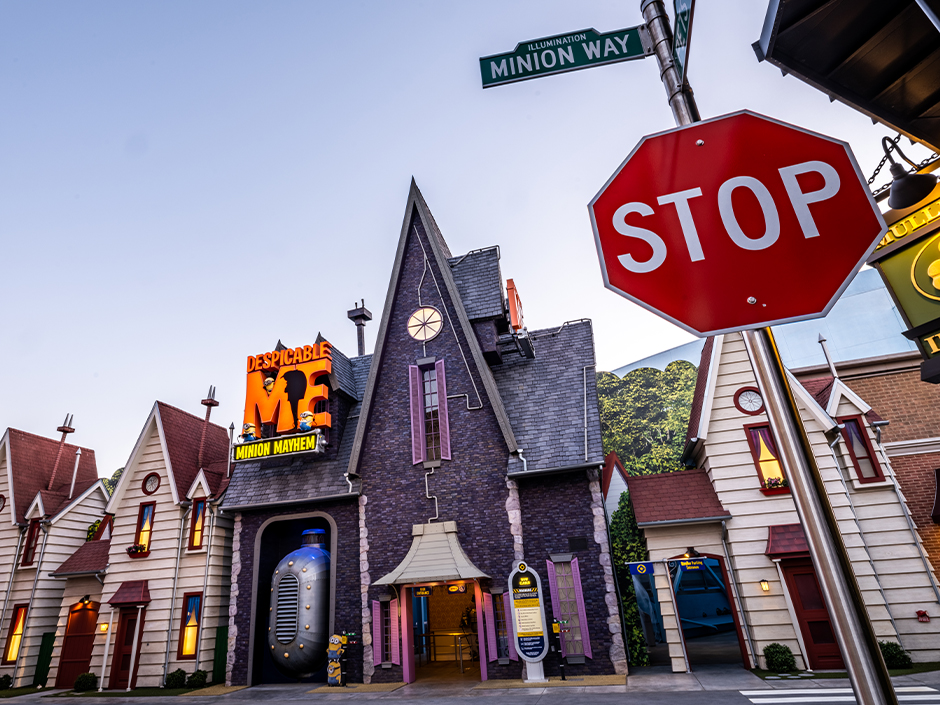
912	694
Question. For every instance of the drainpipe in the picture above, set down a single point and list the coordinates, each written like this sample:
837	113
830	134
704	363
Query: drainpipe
107	644
32	594
736	592
205	585
843	471
525	464
19	543
185	506
130	675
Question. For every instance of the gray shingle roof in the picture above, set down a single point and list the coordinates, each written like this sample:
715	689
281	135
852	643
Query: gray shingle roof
544	398
479	282
343	374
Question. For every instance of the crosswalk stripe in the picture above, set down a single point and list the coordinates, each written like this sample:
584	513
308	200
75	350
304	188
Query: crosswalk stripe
804	698
835	695
834	691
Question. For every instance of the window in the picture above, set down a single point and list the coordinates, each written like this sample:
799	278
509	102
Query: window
386	632
197	526
189	625
766	458
502	632
32	538
145	525
856	439
568	607
430	426
385	646
15	636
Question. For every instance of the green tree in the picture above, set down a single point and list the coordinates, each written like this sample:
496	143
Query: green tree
628	545
111	482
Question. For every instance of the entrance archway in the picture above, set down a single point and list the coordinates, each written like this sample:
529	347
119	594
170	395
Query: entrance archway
79	641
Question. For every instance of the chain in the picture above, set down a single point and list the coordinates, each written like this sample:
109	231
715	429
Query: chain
913	170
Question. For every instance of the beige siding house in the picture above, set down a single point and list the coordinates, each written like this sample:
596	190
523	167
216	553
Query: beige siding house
167	559
736	509
49	495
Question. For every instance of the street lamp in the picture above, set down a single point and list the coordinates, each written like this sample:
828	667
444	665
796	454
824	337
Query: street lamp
906	189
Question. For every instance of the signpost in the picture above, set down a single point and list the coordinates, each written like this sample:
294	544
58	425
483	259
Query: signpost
528	614
562	53
682	34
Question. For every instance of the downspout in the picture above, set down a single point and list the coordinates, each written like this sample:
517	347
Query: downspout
169	625
32	594
135	646
736	593
107	645
19	544
525	464
845	486
205	585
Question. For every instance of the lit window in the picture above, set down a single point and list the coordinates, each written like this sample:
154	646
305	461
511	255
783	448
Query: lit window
32	538
15	635
198	523
766	458
856	439
432	424
145	525
189	626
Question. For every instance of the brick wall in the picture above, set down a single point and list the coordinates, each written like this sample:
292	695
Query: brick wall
910	405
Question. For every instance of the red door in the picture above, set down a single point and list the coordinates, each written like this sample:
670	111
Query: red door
123	648
812	614
78	643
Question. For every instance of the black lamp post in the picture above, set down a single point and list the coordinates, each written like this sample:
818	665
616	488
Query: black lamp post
907	189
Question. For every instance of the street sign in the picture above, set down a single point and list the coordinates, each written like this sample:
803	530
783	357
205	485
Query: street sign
691	564
681	34
528	613
564	52
735	223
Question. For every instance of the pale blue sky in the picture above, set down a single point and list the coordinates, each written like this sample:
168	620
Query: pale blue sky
182	184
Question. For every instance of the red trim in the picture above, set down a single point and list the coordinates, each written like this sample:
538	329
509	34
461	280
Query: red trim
774	490
731	602
29	548
143	485
13	619
140	518
737	404
863	432
755	453
179	647
139	554
192	525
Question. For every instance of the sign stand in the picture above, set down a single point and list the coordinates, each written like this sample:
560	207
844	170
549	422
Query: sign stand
528	614
864	663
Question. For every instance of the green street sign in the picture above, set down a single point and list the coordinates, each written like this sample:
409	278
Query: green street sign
681	33
564	52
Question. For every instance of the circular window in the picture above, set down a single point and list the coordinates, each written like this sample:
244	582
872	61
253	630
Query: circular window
425	323
749	401
151	483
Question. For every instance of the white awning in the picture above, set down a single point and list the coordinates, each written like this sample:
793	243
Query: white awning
435	555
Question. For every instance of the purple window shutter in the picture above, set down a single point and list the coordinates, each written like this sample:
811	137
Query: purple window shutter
490	626
416	389
443	420
394	620
582	613
556	603
510	627
378	638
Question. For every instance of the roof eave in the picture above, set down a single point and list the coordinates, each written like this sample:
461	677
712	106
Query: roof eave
682	522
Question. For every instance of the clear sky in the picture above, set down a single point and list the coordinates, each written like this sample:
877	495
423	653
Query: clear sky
184	183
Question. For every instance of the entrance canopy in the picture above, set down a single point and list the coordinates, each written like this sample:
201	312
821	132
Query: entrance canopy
435	555
131	592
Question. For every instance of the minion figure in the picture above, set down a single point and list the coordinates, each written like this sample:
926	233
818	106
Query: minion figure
306	421
333	673
336	647
269	385
248	433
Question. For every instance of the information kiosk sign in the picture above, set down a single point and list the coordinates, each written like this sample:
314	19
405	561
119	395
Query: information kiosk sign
528	613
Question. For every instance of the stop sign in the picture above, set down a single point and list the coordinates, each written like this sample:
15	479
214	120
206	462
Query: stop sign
733	223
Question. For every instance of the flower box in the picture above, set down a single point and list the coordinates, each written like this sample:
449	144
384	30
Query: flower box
137	551
774	490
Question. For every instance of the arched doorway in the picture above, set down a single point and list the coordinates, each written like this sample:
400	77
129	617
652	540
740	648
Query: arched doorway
78	643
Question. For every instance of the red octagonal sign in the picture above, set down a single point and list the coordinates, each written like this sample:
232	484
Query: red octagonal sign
733	223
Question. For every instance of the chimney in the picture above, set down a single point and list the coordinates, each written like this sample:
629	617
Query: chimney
231	442
78	456
65	429
359	315
832	366
208	402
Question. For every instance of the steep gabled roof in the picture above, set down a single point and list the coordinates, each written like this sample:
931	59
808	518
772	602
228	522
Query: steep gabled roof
479	282
675	498
704	383
417	212
183	432
823	390
29	468
612	465
91	557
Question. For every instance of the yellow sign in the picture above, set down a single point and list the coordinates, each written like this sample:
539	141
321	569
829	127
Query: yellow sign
282	390
556	627
273	447
911	224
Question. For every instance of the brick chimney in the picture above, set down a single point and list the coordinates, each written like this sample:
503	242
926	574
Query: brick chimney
359	315
208	402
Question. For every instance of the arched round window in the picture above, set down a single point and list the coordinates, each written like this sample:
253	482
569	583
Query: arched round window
749	401
151	483
425	323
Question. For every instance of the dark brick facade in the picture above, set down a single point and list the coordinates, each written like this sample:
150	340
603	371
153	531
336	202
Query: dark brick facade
345	515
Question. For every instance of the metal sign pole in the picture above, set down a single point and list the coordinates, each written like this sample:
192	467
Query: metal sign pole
864	663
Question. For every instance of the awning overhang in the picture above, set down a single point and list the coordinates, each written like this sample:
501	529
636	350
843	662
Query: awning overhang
131	593
435	556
